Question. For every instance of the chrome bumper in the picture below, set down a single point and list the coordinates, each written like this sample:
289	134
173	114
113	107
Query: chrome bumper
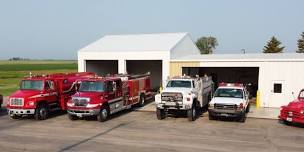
21	111
83	113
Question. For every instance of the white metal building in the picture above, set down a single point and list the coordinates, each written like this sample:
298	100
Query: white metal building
276	76
135	54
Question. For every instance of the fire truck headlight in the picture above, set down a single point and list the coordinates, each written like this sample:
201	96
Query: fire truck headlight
31	103
92	105
70	104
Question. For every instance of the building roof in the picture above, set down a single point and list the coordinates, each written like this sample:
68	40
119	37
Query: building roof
135	42
257	57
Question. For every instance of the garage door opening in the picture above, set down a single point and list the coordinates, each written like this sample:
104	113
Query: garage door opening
144	66
244	75
102	67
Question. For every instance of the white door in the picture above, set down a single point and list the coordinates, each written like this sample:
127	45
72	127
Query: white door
277	93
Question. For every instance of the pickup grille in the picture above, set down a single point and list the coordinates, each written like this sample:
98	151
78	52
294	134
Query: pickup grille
16	102
80	102
225	106
172	97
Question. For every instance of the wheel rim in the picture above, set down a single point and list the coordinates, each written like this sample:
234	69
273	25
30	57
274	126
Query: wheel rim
104	113
142	100
42	112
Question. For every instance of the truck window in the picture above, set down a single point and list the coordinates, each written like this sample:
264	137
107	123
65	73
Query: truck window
230	93
179	84
31	85
91	86
49	85
110	86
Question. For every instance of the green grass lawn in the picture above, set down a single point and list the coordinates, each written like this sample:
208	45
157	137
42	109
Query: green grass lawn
12	71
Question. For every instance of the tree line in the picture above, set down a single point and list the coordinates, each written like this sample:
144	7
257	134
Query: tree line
206	45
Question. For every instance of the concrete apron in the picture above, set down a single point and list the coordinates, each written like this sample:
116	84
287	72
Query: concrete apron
262	113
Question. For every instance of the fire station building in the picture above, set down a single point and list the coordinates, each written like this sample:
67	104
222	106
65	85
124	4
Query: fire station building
274	76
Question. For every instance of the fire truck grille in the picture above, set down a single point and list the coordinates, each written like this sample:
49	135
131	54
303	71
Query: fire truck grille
172	97
16	101
225	106
80	102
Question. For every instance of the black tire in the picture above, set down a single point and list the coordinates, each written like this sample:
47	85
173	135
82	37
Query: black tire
15	117
210	116
103	114
242	117
41	112
142	100
72	117
287	123
160	114
191	114
248	108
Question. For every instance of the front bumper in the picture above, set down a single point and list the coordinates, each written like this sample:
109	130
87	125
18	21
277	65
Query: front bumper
291	118
83	113
225	113
21	111
173	105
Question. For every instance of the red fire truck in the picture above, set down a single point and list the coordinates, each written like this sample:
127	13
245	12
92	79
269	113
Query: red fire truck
103	96
41	94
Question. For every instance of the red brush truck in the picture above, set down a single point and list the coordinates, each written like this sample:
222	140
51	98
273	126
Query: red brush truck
294	111
39	95
102	96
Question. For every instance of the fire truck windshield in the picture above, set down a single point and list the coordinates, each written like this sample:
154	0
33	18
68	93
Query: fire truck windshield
31	85
227	92
179	84
91	86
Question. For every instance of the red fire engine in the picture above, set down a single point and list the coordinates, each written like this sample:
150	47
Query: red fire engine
102	96
39	95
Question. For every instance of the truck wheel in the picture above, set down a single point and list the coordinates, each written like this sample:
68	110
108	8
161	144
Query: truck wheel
141	101
210	116
242	117
103	114
248	108
160	113
192	113
72	117
15	116
41	112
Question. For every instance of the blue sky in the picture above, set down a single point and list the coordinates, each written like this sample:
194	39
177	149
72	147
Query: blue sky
56	29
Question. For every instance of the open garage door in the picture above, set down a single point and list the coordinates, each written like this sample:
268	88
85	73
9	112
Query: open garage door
243	75
144	66
102	67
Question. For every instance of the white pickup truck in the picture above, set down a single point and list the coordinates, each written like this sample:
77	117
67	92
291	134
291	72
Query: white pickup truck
229	100
184	93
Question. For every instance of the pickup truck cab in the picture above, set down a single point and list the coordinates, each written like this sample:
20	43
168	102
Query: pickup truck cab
294	111
184	94
229	100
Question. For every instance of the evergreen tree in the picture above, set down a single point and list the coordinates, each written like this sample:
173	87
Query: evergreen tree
301	44
273	46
